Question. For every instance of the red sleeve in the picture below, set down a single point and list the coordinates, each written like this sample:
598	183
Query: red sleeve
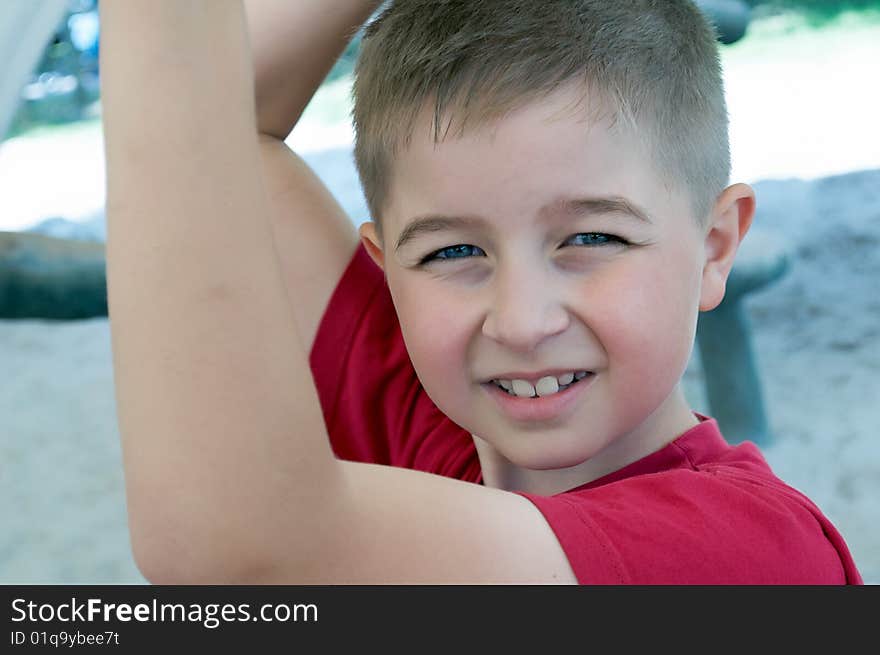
374	406
691	527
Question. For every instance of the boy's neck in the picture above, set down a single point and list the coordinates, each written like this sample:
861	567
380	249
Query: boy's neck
667	423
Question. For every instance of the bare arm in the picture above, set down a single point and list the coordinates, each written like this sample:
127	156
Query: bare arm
229	475
294	47
206	358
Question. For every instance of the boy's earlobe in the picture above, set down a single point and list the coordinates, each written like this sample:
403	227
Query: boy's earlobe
372	243
730	220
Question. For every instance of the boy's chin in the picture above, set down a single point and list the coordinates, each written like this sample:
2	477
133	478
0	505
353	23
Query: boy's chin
537	452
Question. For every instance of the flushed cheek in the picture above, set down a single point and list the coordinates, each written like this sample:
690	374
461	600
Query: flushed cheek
437	333
648	331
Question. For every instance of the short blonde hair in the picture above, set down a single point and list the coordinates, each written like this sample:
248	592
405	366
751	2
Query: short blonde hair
654	63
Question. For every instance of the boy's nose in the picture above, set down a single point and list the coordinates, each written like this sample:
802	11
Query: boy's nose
523	311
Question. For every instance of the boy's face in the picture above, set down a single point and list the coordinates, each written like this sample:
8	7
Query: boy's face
530	286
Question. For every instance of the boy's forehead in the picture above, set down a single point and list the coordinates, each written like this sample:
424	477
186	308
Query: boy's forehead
477	117
547	153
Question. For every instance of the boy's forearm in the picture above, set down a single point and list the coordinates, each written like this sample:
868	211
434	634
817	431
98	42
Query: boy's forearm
218	414
295	45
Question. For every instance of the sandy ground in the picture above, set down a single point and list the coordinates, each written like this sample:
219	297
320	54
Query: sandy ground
817	331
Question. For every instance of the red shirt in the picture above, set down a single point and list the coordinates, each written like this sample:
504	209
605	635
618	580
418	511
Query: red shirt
698	511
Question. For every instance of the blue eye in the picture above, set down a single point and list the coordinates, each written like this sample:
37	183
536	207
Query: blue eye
597	239
460	251
466	251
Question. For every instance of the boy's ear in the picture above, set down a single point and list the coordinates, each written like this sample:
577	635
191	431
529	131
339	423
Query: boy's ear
730	220
372	243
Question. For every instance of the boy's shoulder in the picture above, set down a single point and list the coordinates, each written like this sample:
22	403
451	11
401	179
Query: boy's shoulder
699	511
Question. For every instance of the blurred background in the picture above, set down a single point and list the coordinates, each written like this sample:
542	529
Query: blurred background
802	86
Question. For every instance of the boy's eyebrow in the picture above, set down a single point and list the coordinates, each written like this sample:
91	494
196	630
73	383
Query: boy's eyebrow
568	207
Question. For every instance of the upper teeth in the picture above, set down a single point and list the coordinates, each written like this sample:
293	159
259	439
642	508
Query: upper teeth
544	387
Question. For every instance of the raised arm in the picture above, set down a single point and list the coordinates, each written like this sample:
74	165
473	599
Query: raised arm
295	44
205	349
294	47
229	476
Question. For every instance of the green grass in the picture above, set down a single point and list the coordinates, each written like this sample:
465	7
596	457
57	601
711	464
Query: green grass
58	130
816	12
793	34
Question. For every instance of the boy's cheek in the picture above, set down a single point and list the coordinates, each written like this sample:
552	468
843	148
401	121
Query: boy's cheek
652	321
434	336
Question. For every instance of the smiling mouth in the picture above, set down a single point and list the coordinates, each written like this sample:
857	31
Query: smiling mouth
545	387
540	409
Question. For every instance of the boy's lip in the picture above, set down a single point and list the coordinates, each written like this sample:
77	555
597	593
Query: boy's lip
541	408
533	377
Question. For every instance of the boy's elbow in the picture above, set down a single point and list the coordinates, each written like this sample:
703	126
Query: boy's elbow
166	555
162	568
163	560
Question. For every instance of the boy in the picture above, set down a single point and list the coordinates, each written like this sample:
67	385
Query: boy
545	242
